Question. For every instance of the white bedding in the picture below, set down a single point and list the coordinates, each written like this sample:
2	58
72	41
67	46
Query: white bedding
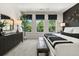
66	49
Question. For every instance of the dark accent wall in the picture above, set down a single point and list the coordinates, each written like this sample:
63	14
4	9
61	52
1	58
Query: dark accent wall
71	16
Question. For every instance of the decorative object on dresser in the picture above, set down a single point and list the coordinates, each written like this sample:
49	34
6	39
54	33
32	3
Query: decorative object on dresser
2	24
17	31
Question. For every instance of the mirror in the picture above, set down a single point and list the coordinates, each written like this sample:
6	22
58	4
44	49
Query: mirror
9	24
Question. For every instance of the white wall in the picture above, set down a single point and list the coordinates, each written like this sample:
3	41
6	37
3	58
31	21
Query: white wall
59	21
11	11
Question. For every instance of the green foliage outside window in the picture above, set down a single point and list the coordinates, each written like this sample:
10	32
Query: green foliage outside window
51	25
2	24
26	24
40	26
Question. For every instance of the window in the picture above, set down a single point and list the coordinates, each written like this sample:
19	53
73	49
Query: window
40	23
52	22
27	23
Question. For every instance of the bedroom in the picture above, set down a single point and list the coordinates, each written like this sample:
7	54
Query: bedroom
41	18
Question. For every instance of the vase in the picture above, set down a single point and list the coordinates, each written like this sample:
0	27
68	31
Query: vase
1	31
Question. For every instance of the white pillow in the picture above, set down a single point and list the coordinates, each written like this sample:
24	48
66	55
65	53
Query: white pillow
75	30
68	29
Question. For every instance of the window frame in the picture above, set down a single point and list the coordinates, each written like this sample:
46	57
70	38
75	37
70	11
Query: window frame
34	26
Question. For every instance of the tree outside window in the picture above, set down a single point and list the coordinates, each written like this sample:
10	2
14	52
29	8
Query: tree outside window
26	23
40	23
52	22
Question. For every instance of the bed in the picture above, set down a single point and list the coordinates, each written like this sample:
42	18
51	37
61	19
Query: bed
63	44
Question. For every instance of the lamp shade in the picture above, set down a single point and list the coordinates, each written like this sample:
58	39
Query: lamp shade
17	22
62	24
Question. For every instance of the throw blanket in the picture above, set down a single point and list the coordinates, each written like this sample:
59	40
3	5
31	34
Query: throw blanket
55	38
61	42
49	35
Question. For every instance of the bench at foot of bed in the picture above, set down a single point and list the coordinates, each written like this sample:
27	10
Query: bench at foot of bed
42	47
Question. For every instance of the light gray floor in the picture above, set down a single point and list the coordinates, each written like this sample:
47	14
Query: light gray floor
27	48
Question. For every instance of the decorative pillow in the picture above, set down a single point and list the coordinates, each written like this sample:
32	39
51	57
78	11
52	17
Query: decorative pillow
68	29
75	29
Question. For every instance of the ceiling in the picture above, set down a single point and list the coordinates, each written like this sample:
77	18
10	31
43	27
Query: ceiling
55	7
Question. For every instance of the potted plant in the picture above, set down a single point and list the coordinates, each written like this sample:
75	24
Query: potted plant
2	24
